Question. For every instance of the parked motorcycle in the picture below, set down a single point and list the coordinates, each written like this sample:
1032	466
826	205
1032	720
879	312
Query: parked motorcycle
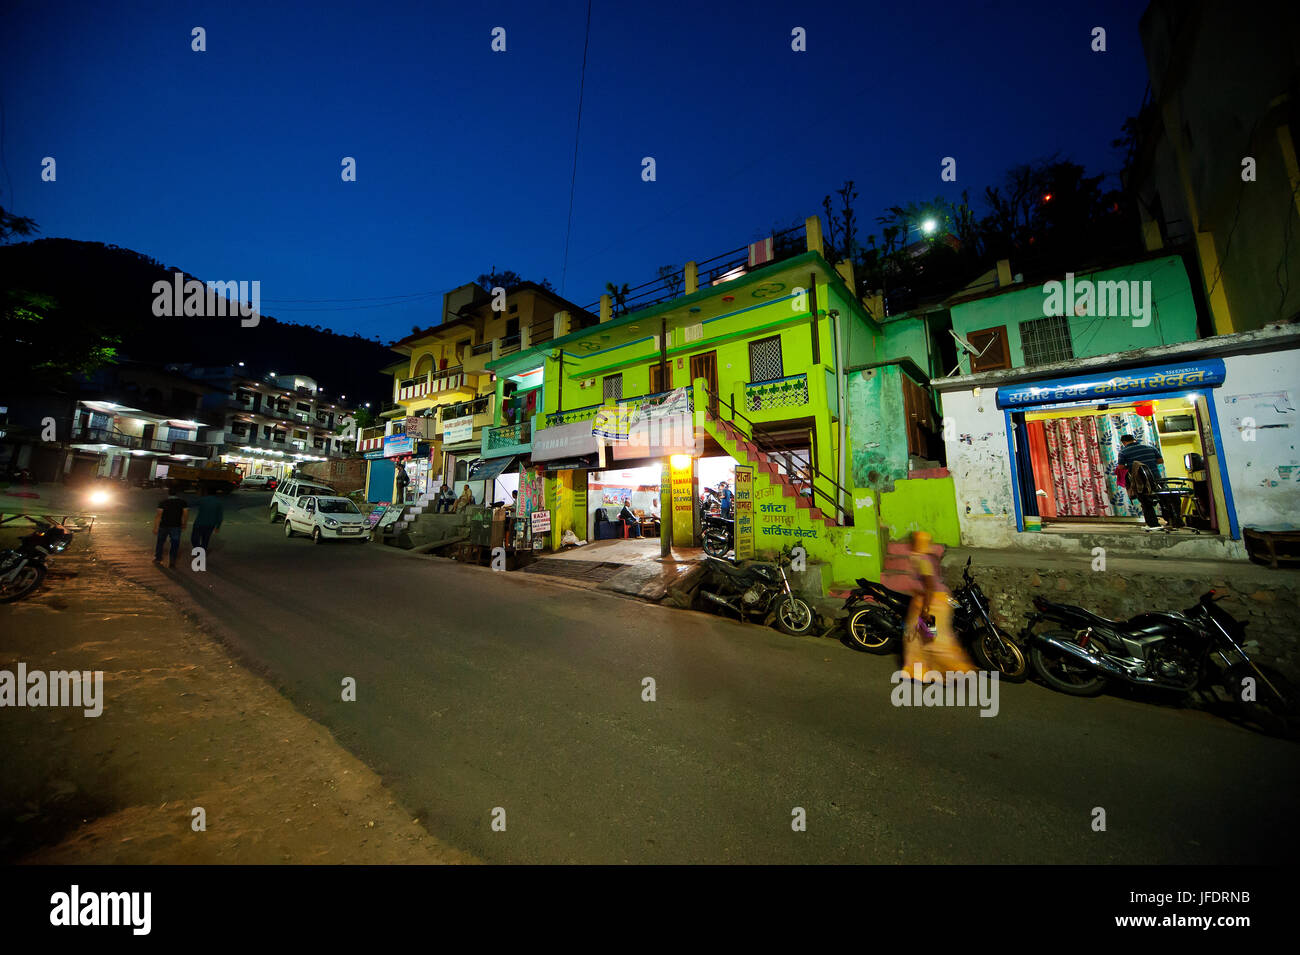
877	625
759	590
23	568
1178	651
719	534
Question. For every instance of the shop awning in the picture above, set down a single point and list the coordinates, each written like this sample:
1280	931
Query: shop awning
488	468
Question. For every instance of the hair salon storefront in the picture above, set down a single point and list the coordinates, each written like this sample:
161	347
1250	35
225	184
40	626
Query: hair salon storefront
1035	457
1065	438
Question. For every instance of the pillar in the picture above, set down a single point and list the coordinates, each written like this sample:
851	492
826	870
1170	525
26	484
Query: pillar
813	234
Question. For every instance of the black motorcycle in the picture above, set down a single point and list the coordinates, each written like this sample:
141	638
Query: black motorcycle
758	590
877	626
1179	651
719	534
876	616
23	568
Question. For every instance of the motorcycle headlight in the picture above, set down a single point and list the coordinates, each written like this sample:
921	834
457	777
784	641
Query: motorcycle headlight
100	497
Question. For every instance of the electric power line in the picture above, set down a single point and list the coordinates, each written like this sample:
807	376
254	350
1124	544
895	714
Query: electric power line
573	178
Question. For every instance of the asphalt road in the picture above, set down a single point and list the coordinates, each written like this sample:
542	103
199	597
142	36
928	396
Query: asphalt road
479	690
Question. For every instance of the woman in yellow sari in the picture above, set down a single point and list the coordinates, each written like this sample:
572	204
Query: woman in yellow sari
930	649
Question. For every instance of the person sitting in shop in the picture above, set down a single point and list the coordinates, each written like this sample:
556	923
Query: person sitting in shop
443	502
629	519
465	500
1143	463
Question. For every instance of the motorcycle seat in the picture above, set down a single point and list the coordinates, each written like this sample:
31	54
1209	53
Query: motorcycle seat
725	566
1146	624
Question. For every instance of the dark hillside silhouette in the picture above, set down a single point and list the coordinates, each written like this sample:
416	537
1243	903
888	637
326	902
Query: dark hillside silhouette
109	288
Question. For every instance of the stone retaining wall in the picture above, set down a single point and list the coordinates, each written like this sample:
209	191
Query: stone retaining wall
1270	610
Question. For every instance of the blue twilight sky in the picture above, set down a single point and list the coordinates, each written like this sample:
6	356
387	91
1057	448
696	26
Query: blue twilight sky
227	163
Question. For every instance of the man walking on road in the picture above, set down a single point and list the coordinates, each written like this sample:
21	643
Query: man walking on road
207	518
171	518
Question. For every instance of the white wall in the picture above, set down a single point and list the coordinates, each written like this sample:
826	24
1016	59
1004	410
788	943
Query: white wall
1263	463
981	468
979	461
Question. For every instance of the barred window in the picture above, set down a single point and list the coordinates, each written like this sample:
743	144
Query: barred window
1046	340
765	359
614	387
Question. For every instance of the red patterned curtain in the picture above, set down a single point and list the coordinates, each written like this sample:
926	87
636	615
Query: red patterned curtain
1078	476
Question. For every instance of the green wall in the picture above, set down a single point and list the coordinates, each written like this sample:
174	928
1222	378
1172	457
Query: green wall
877	439
923	504
728	335
1172	313
906	338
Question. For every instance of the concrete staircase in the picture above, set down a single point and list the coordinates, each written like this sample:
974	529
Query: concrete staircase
766	466
413	511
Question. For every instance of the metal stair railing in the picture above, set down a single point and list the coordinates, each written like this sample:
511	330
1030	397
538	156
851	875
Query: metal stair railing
810	466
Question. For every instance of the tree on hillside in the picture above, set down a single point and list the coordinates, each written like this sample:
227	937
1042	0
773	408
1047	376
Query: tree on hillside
12	225
507	279
44	346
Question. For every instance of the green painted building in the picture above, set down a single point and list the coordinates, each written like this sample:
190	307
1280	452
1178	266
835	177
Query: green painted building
766	354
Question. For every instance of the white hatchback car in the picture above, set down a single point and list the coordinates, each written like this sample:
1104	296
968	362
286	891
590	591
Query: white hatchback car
256	482
287	494
326	518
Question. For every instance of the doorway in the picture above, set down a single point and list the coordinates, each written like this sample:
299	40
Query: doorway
706	366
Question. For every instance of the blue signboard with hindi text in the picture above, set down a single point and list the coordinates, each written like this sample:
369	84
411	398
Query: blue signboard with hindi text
1115	386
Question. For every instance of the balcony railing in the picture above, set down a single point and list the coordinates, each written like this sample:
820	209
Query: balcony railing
508	435
511	343
462	408
649	400
575	414
790	392
135	442
785	244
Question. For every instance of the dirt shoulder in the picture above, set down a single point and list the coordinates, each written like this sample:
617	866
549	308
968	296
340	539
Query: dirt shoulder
184	725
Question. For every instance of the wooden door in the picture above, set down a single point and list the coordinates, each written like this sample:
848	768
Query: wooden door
706	366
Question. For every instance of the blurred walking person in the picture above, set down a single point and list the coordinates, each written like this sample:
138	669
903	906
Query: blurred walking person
168	523
207	518
930	648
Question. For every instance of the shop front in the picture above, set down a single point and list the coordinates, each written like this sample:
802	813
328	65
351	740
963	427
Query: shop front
408	452
1067	439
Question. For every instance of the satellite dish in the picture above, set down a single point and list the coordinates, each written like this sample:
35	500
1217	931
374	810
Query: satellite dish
969	349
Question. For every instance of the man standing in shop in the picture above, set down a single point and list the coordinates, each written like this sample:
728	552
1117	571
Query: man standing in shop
1141	460
403	479
725	499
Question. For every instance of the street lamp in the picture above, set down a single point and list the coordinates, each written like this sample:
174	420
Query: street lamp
928	226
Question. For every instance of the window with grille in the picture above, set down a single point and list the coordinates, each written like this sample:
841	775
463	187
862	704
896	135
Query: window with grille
765	359
991	350
1046	340
614	387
